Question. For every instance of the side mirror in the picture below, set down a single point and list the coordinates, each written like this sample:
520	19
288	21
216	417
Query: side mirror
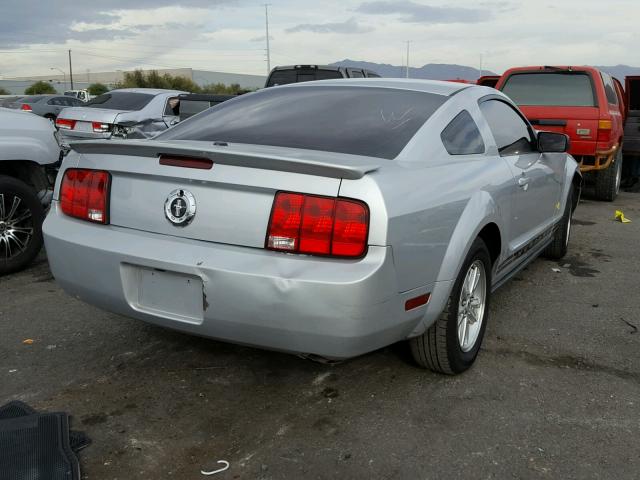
551	142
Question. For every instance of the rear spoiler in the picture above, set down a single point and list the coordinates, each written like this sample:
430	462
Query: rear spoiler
350	167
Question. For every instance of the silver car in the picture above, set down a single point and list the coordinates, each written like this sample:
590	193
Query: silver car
125	113
328	219
47	106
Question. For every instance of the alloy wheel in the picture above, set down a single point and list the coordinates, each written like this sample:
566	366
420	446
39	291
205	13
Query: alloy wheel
16	226
471	306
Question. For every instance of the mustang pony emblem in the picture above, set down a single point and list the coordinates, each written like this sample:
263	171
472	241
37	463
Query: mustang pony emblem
180	207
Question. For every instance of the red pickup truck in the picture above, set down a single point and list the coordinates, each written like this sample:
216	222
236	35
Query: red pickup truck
582	102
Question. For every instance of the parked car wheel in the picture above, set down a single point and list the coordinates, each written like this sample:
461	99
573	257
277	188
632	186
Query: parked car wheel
452	343
608	181
21	216
560	244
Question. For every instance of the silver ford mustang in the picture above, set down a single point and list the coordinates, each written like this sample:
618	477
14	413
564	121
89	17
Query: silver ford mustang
328	218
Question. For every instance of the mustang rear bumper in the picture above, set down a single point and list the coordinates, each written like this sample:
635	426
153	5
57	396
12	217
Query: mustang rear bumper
327	307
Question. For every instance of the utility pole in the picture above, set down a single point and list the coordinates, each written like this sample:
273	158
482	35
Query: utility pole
266	18
407	72
481	64
70	71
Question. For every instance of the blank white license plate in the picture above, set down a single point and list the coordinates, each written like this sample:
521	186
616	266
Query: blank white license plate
83	126
171	294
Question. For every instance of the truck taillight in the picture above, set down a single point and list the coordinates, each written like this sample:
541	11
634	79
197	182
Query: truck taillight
84	194
99	127
316	225
65	124
604	130
26	107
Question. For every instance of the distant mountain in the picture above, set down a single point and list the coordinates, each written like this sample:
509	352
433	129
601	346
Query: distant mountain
431	71
445	71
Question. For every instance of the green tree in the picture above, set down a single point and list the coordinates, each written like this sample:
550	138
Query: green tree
39	88
222	89
152	79
96	89
4	92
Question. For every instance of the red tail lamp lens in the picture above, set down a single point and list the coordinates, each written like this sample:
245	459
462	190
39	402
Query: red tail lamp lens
26	107
65	123
84	194
316	225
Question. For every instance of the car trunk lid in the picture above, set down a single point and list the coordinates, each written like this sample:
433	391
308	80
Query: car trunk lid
579	123
233	198
84	117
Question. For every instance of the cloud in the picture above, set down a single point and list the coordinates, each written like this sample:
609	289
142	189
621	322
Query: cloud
350	26
27	22
412	12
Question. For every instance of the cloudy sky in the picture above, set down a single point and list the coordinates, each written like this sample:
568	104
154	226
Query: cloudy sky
229	35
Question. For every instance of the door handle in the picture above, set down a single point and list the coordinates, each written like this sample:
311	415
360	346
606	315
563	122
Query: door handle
523	182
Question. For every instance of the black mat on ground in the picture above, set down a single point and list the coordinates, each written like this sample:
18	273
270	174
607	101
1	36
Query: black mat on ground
36	447
77	440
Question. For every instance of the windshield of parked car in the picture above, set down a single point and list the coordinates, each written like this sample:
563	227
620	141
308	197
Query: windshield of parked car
296	75
129	101
372	121
563	89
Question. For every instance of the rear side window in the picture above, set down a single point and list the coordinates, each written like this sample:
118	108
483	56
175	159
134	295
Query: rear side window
462	137
297	75
609	89
370	121
510	132
356	74
562	89
129	101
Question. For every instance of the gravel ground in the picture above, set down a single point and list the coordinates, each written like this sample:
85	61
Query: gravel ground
555	392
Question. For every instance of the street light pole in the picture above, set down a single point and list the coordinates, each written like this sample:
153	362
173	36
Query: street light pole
70	71
407	72
64	76
266	18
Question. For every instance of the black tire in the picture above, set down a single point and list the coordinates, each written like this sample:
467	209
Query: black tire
439	348
608	181
12	257
560	243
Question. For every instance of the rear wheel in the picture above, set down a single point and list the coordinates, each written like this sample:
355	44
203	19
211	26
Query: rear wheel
21	216
608	181
452	343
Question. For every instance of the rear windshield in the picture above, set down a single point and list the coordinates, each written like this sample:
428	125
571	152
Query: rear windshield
296	75
120	101
370	121
565	89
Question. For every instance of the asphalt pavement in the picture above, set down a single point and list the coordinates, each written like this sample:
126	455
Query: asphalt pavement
554	394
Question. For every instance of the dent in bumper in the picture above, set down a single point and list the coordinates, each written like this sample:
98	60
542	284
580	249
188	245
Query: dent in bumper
335	309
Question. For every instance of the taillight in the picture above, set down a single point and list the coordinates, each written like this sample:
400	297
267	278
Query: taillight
316	225
99	127
26	107
604	130
65	123
84	194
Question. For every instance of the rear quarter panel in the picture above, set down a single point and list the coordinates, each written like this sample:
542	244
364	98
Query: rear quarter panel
428	205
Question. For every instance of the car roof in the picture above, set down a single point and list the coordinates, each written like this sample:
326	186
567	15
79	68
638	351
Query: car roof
151	91
552	68
436	87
